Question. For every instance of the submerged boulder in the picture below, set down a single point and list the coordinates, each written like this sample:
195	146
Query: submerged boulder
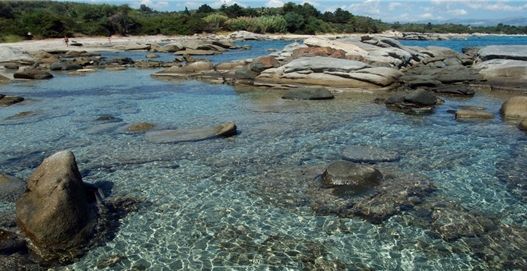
139	127
194	134
515	108
55	213
308	94
473	112
34	74
348	174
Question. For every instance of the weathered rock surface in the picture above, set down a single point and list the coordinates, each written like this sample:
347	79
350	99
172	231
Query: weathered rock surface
263	63
55	212
34	74
308	94
189	69
10	188
515	52
515	108
368	154
350	175
245	35
195	134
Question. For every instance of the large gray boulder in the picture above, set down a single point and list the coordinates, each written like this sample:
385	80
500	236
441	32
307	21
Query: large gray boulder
323	64
55	213
515	108
195	134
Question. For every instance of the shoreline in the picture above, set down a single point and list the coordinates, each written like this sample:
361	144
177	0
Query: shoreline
99	43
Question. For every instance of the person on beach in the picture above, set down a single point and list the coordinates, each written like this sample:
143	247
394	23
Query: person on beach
66	40
110	38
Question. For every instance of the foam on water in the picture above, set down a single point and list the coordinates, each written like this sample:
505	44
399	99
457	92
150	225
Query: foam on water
239	203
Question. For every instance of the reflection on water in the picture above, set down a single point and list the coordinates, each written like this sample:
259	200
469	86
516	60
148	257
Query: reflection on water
240	202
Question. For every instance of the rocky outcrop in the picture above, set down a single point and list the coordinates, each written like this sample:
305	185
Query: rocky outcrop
245	35
514	52
308	94
515	108
263	63
195	70
194	134
327	71
56	213
35	74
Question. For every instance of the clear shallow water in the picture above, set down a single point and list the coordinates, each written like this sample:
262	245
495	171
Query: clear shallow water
239	203
473	41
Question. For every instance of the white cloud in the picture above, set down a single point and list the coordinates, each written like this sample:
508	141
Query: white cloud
368	7
394	5
457	12
275	3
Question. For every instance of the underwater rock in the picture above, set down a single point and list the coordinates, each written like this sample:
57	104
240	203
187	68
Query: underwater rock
515	107
416	102
139	127
34	74
308	94
368	154
473	112
10	188
452	223
350	175
523	125
152	55
194	134
56	212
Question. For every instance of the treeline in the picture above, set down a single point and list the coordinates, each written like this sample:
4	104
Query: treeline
57	19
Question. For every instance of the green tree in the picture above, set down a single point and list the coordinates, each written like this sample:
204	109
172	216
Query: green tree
295	22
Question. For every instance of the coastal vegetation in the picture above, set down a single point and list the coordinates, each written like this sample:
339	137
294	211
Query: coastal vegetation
56	19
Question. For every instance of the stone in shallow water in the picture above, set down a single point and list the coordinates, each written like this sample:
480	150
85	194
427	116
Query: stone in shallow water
523	125
10	100
308	94
515	107
452	223
194	134
421	97
472	112
369	154
348	174
55	212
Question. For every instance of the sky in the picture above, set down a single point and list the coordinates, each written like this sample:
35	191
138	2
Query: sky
389	11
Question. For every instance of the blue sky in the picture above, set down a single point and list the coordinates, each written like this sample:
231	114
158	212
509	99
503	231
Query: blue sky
390	11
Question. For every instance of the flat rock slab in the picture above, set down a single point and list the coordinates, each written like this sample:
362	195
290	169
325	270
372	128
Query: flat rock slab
308	94
368	154
189	135
517	52
321	64
473	113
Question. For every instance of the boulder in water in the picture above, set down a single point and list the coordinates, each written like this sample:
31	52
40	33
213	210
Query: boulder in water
515	108
308	94
55	213
351	175
34	74
194	134
10	100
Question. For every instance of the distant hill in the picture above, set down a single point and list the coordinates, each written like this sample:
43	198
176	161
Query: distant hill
521	21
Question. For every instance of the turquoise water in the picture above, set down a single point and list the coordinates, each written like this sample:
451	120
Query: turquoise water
472	41
241	203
